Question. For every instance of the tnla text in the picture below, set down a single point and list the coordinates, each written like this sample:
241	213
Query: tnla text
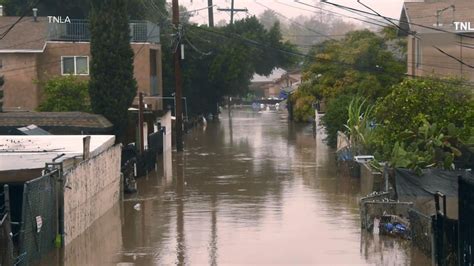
55	19
463	26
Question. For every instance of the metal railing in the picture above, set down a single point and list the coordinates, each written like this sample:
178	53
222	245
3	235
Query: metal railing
78	31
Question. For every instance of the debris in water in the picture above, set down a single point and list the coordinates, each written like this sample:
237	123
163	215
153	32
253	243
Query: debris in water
137	206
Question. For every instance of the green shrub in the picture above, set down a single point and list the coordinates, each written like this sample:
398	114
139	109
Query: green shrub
358	125
336	117
303	109
414	101
424	123
65	94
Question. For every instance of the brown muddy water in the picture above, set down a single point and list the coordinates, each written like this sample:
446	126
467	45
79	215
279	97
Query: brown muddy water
249	189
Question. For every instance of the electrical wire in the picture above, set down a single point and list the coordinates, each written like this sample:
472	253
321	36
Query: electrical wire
4	34
263	46
406	31
295	22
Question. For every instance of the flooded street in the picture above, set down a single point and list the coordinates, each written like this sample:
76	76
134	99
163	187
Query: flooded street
249	189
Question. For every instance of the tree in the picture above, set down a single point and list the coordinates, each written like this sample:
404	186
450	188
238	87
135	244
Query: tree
112	85
416	102
360	64
65	94
268	18
231	54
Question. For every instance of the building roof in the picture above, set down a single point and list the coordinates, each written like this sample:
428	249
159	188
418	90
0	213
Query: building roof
32	152
26	36
416	16
77	120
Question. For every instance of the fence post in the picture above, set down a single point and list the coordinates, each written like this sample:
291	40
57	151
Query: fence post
6	195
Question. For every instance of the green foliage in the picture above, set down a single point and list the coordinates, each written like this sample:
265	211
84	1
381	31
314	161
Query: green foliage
336	117
112	86
65	94
425	123
232	61
358	126
414	101
303	106
427	147
359	64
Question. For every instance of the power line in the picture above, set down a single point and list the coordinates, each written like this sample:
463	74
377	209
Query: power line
358	11
18	20
364	69
406	31
232	10
297	23
335	13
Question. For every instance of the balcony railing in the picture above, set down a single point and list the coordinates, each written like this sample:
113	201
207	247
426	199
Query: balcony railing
78	31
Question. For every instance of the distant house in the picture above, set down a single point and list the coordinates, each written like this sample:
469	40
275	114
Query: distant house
431	24
36	50
272	85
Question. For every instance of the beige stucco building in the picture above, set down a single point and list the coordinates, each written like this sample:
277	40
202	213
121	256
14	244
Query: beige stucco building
437	45
36	50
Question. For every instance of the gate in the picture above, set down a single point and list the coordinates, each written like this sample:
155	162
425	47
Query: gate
466	220
6	244
445	231
39	226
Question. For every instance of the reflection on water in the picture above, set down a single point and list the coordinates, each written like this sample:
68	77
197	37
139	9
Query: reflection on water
250	189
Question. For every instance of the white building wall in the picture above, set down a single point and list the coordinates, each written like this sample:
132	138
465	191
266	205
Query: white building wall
92	188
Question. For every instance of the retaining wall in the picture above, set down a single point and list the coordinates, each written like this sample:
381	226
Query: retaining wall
92	188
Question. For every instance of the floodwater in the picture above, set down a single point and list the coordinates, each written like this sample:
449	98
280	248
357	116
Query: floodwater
249	189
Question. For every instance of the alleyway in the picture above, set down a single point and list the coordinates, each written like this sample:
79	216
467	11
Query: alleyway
250	189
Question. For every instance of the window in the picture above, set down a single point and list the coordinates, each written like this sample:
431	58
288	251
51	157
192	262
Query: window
75	65
417	53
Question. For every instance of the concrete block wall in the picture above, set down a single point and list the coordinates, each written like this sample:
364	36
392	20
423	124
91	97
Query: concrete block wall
105	233
370	180
92	188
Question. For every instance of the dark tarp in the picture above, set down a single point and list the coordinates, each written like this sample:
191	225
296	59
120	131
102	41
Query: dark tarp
409	183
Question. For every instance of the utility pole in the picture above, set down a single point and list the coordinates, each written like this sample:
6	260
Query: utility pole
140	123
178	79
232	10
210	12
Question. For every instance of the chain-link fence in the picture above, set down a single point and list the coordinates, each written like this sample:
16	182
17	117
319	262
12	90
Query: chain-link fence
421	231
6	244
39	225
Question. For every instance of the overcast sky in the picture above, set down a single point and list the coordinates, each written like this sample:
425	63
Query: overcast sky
390	8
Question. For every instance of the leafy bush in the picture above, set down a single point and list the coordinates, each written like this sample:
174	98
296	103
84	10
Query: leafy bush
336	117
65	94
303	110
414	101
358	126
425	123
428	147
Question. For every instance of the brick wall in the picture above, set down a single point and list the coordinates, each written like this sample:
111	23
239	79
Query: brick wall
94	187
